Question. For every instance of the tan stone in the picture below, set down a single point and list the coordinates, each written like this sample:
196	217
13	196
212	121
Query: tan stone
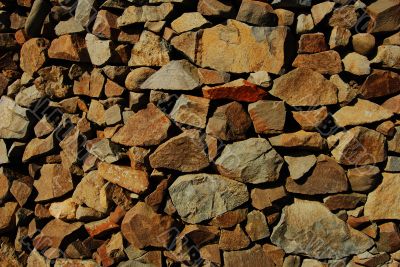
143	227
362	112
304	87
229	218
304	24
254	256
188	22
105	25
363	178
360	146
389	237
344	201
300	139
328	62
340	36
136	77
68	47
310	120
112	89
191	110
285	17
135	14
7	216
64	210
145	128
299	165
392	104
268	116
256	226
214	8
21	189
256	13
38	147
133	180
96	113
212	77
384	16
388	56
363	43
344	16
91	192
33	55
356	64
319	11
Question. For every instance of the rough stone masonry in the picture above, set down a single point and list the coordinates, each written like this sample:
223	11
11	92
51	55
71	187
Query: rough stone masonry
205	133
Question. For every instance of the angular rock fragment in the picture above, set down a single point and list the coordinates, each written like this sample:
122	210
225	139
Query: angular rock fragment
334	239
134	14
143	227
319	11
328	62
68	47
7	216
235	239
312	43
145	128
363	178
256	13
300	139
254	256
91	192
229	218
310	120
380	83
384	16
54	182
189	22
304	24
304	87
191	110
238	90
150	50
133	180
285	17
326	177
344	201
382	203
3	153
362	112
38	147
33	55
256	226
64	210
344	16
394	142
199	197
14	122
229	122
21	189
105	25
99	50
360	146
389	237
184	153
268	116
300	165
84	11
356	64
176	75
136	77
266	198
69	26
388	56
261	164
393	164
340	36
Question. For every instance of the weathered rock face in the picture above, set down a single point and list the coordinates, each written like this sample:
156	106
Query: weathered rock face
300	165
191	110
327	62
33	55
254	256
135	14
380	83
377	206
238	90
143	227
68	47
268	116
304	87
145	128
360	146
222	48
184	153
262	164
297	232
199	197
326	177
14	123
300	139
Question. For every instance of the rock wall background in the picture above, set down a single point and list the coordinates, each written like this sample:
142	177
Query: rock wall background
199	133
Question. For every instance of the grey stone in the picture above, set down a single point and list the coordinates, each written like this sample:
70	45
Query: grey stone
68	27
83	12
191	110
27	97
105	150
300	165
14	122
99	50
199	197
134	14
309	228
393	164
176	75
250	161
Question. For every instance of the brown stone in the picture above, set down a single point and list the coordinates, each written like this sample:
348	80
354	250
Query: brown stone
133	180
238	90
312	43
360	146
81	86
389	238
113	89
38	147
98	228
214	8
274	253
33	55
268	116
304	87
300	139
254	256
326	177
53	81
393	104
96	112
91	192
7	41
211	253
143	227
5	182
96	83
233	239
68	47
21	189
191	110
212	77
184	153
229	122
285	17
266	198
136	77
363	43
384	16
229	218
363	178
54	233
394	142
105	25
344	16
310	120
328	62
54	182
344	201
256	13
135	14
256	226
7	216
380	83
145	128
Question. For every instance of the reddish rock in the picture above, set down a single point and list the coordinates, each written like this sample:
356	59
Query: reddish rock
133	180
312	43
229	122
211	253
145	128
143	227
389	238
380	83
229	218
328	62
68	47
233	239
327	177
81	86
113	89
106	225
238	90
211	77
33	55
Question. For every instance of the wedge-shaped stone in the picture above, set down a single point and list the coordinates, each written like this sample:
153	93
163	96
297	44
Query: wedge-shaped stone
327	177
184	153
188	22
176	75
380	83
191	110
14	122
299	165
134	14
147	127
300	139
309	228
133	180
384	16
388	55
304	87
384	202
91	192
362	112
268	116
360	146
199	197
250	161
238	90
68	47
38	147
